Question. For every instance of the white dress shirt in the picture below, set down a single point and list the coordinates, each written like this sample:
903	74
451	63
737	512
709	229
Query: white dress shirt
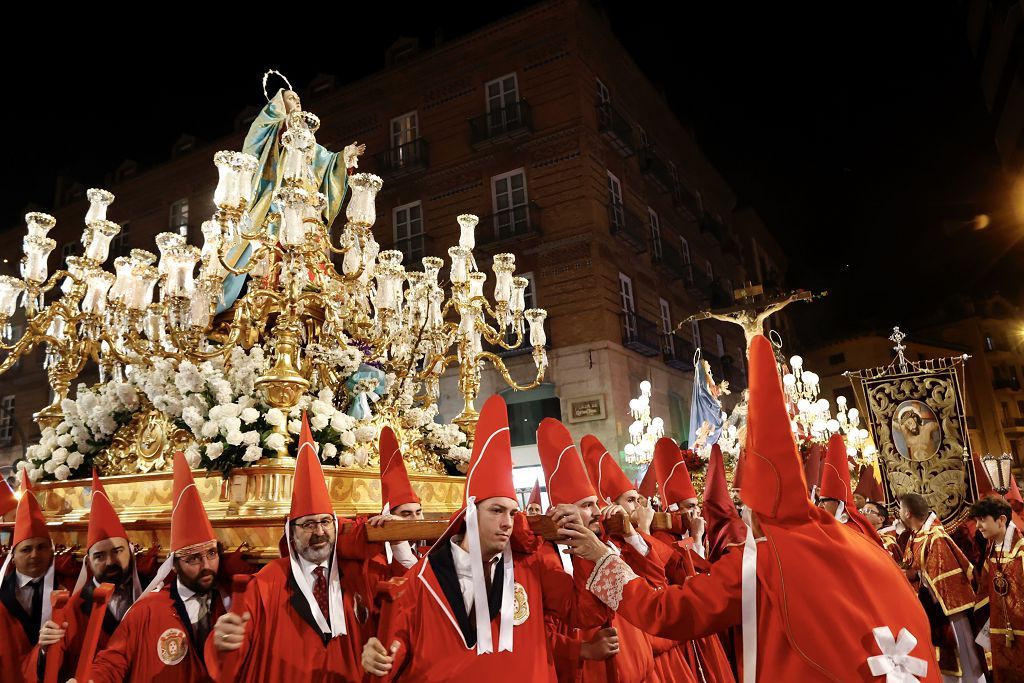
402	552
25	589
464	570
308	568
192	602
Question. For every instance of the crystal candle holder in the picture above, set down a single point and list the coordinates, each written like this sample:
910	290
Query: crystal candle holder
99	200
10	289
181	262
536	316
39	223
361	209
123	267
390	257
432	268
199	314
140	295
98	235
504	265
97	283
460	265
476	284
37	250
76	267
467	228
166	241
226	194
518	300
293	201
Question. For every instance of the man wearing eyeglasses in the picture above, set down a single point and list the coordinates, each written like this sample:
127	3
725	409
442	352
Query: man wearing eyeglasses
160	639
306	615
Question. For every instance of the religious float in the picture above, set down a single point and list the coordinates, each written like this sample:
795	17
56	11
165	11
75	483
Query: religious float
216	351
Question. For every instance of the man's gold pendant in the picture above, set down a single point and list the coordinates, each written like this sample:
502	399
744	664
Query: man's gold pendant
1000	584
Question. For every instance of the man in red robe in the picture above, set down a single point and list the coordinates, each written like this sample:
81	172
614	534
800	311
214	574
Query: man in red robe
474	609
941	574
678	497
25	591
632	656
161	638
835	496
109	559
533	505
816	604
1000	605
400	502
305	616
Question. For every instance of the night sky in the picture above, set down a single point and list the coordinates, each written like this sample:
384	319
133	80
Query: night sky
859	134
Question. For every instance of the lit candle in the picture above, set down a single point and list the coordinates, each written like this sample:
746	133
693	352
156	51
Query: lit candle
181	262
476	284
123	278
504	266
536	316
467	225
95	299
99	200
37	250
10	288
140	296
100	233
460	265
361	210
39	223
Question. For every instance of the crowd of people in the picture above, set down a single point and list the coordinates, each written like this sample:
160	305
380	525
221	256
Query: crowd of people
805	580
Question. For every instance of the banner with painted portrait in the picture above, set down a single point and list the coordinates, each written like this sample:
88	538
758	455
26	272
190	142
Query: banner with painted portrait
915	413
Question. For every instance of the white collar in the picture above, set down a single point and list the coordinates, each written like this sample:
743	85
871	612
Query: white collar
1008	538
184	592
23	579
463	563
932	519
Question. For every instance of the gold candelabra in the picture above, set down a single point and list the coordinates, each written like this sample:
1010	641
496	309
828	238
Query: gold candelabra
410	325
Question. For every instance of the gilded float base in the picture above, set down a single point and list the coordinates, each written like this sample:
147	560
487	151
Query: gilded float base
248	507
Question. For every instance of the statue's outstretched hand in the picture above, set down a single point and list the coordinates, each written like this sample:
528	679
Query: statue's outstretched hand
351	154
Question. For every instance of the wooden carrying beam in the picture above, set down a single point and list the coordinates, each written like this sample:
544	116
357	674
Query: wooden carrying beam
395	530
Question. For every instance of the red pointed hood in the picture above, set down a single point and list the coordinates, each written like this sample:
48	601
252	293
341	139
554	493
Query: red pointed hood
773	480
567	479
724	526
103	520
835	472
8	501
190	526
490	465
649	484
674	483
309	490
29	521
868	486
535	494
603	469
812	466
395	487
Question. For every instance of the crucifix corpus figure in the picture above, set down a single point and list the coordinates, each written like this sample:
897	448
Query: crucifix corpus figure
751	314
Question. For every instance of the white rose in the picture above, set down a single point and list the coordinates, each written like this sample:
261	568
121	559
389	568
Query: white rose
210	430
347	460
193	456
234	438
275	441
295	426
321	408
214	450
231	409
230	424
50	466
348	439
75	460
62	428
319	422
23	465
59	456
362	456
365	433
216	413
65	440
250	438
275	417
35	474
62	473
250	415
326	395
329	451
342	422
252	453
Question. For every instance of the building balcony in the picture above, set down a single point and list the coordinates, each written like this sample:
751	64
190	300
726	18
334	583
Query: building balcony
697	281
514	224
500	125
403	160
1013	423
524	345
656	169
616	129
414	249
628	227
1011	383
677	352
687	202
640	335
667	261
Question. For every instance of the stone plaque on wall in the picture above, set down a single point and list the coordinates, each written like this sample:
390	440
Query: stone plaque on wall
587	408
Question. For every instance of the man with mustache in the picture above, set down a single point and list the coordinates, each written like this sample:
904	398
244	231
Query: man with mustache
160	639
305	616
109	559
